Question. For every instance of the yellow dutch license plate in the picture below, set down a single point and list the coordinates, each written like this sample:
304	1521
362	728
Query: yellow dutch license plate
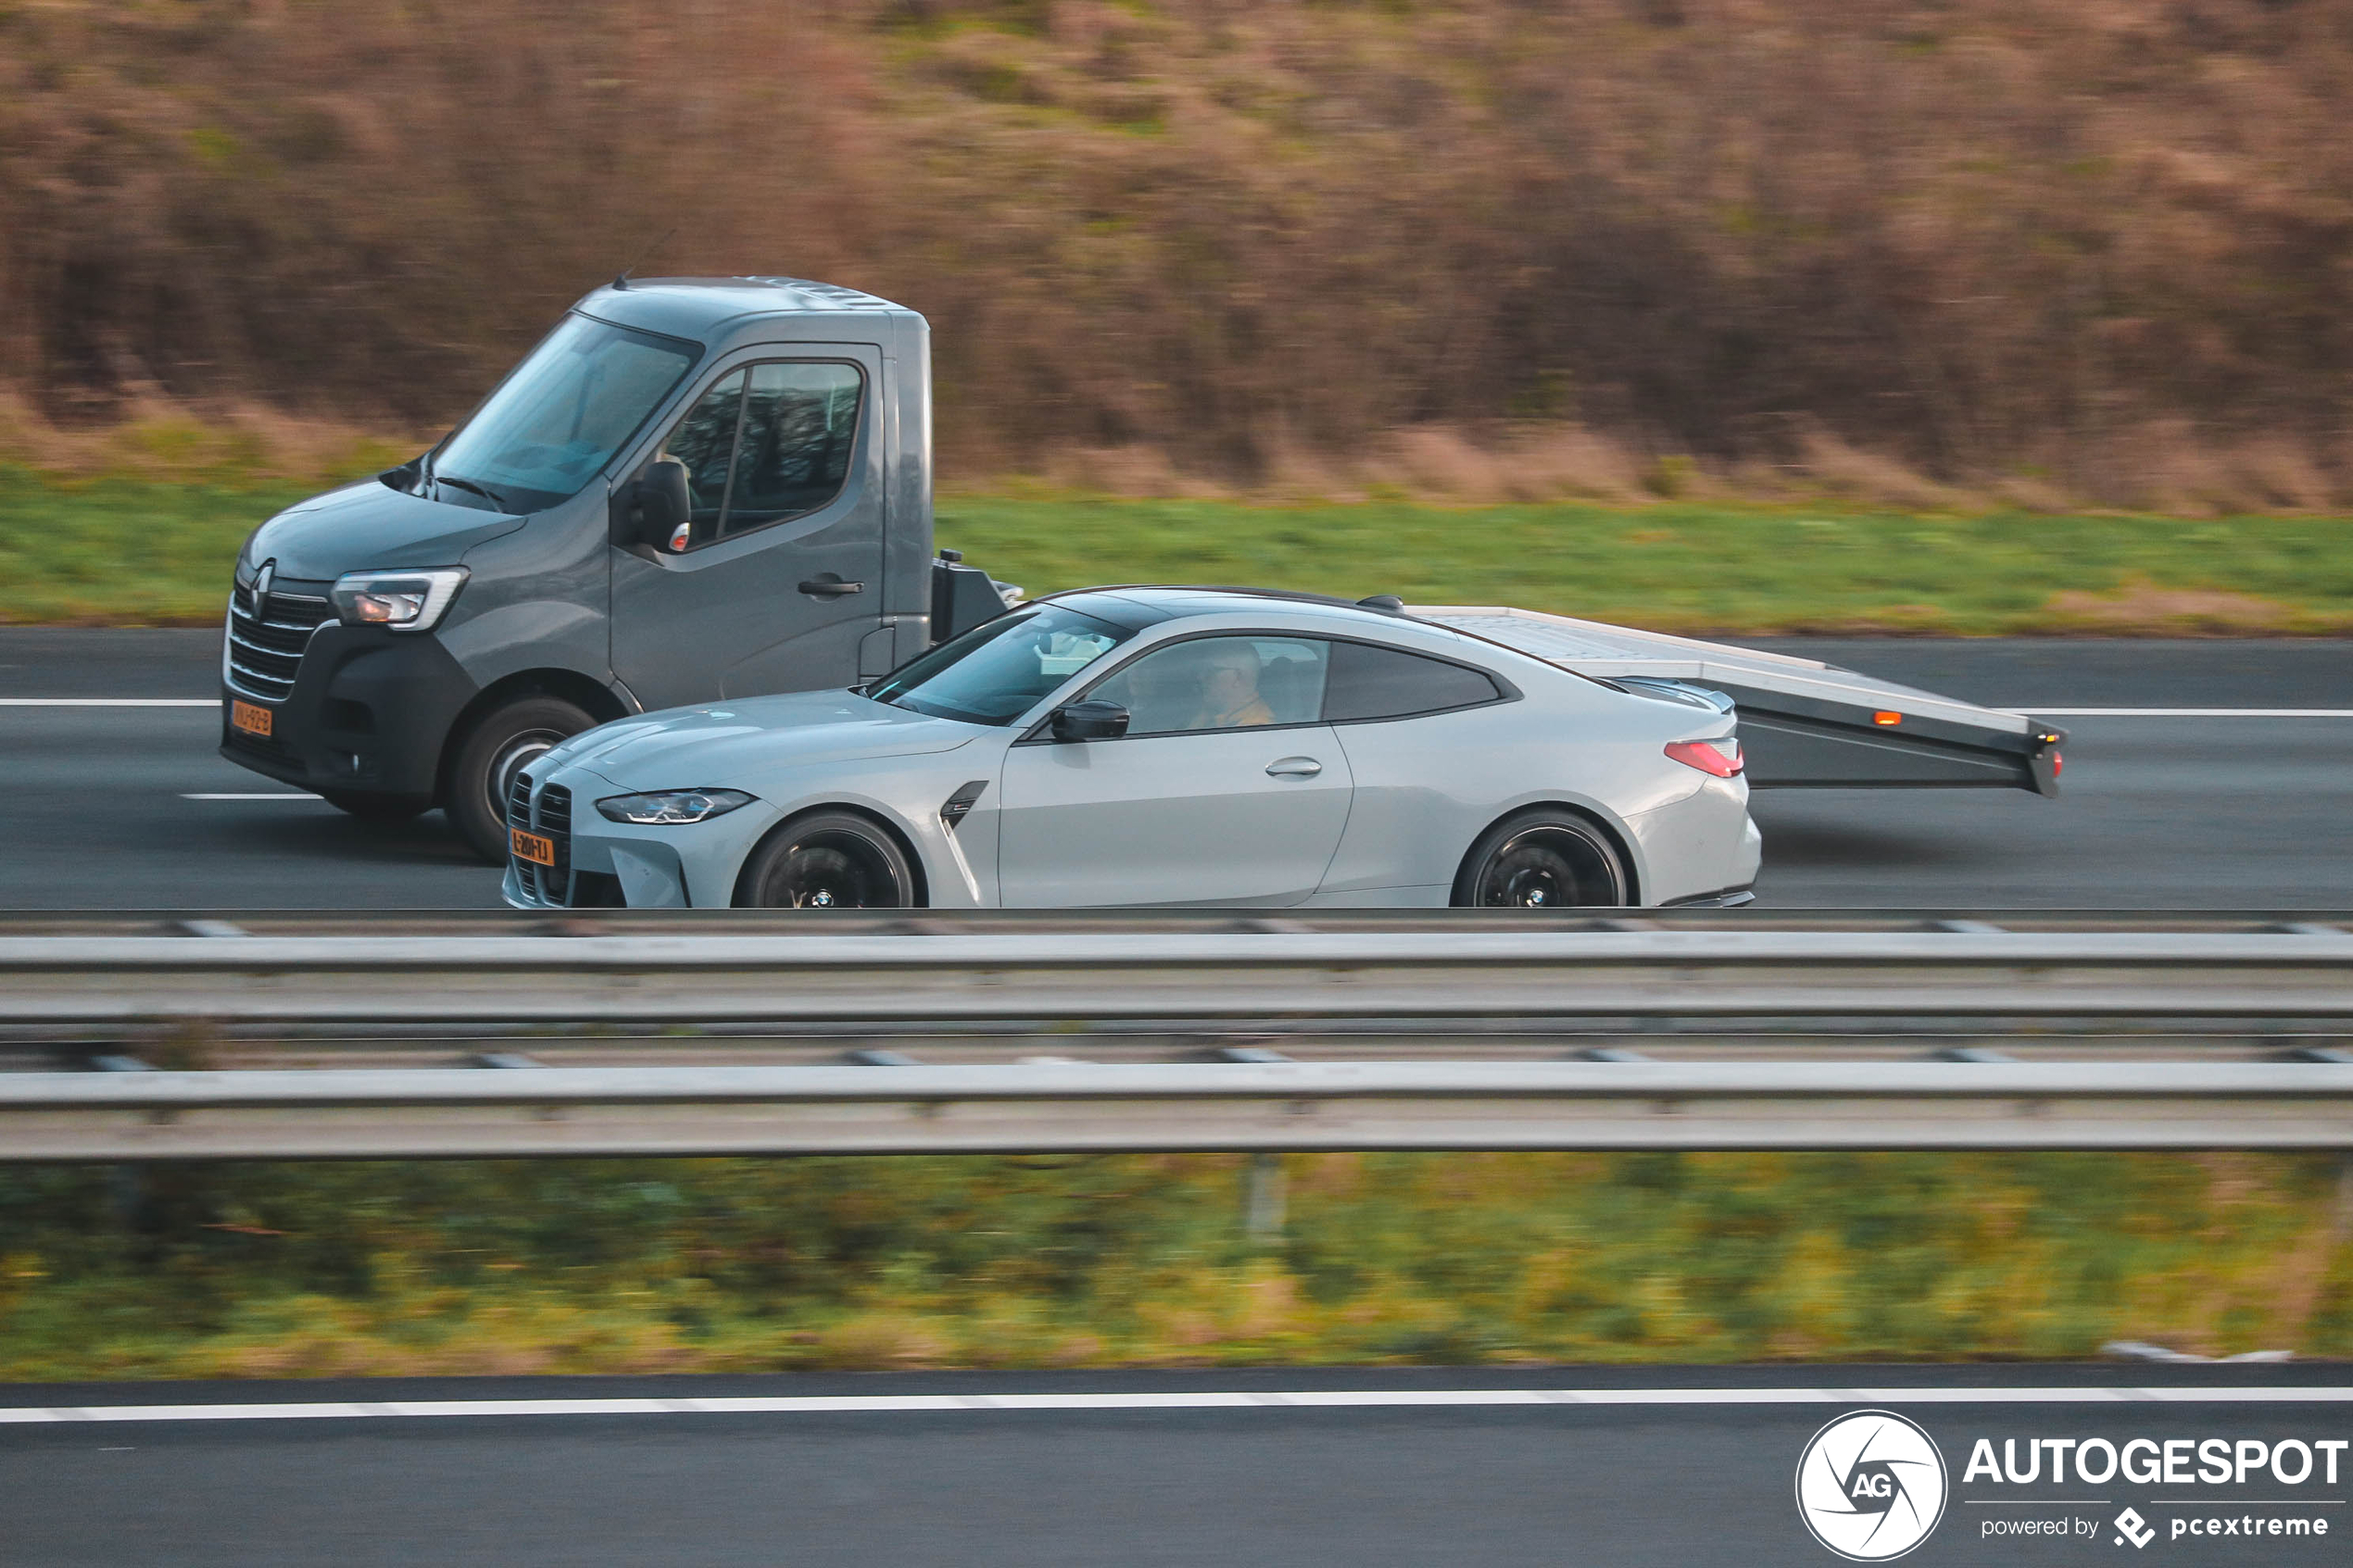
249	717
530	847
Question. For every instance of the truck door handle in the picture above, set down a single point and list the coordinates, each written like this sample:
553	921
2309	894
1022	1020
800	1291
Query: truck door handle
830	587
1294	767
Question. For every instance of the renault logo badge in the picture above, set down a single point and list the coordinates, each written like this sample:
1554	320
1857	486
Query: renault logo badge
261	581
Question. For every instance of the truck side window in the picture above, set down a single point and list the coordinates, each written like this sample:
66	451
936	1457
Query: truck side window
704	441
800	420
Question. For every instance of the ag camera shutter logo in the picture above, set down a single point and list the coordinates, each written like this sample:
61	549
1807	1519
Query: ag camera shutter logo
1871	1486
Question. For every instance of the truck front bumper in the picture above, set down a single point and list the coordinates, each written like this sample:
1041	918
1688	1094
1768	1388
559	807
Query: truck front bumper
368	715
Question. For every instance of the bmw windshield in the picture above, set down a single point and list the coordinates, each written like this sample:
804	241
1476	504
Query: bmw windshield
1001	668
558	418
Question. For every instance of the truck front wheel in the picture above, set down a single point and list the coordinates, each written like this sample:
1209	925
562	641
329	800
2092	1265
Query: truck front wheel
501	744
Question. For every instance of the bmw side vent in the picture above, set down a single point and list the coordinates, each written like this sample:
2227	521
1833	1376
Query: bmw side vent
960	802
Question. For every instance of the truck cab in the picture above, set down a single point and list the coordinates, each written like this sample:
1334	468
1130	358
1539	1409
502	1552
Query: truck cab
691	489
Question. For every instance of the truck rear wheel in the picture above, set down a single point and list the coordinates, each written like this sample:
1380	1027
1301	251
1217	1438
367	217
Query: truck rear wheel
501	744
826	861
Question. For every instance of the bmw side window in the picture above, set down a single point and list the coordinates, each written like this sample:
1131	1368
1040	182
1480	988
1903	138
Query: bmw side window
801	421
705	442
1377	682
766	445
1220	684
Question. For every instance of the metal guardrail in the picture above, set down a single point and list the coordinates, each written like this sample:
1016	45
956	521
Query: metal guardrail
1060	982
1065	975
1255	1106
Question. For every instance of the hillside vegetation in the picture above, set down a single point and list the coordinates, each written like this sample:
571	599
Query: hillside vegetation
2045	249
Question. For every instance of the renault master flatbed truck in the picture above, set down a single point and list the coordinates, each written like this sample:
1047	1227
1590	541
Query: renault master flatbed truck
691	489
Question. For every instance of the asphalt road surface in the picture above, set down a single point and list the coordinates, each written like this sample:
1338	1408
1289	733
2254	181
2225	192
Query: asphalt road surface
131	806
1667	1466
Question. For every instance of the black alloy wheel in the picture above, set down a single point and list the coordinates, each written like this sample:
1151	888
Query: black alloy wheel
826	861
1547	859
501	744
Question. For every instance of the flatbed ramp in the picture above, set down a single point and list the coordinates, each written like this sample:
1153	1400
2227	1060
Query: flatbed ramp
1803	724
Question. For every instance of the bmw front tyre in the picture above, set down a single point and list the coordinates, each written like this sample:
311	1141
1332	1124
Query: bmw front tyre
826	861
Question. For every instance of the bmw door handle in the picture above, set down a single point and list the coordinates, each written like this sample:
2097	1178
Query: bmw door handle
828	586
1293	767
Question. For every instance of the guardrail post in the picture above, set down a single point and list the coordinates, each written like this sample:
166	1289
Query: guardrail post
1263	1209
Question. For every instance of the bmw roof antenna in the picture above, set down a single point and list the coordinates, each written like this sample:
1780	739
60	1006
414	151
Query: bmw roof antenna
621	279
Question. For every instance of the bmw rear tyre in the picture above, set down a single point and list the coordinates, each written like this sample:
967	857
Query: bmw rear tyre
828	860
1544	860
501	744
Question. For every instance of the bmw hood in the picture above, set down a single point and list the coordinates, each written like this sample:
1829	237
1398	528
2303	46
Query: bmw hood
369	524
733	742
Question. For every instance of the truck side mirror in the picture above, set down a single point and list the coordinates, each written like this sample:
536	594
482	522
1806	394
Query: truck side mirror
1090	720
659	505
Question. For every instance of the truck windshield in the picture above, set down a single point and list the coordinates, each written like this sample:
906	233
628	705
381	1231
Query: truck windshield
558	418
1001	668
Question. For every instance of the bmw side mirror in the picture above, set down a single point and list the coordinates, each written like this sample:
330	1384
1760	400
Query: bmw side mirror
660	507
1090	720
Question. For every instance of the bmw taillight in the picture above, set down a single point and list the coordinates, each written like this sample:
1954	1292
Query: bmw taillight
1719	759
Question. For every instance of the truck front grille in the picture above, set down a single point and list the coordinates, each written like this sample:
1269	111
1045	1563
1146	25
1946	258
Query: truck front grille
266	640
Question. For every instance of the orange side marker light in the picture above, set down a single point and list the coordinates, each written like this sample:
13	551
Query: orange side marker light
1887	718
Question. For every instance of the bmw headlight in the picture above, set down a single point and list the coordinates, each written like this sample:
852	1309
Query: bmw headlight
404	601
671	806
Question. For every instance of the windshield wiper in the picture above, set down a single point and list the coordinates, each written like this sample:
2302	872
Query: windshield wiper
483	491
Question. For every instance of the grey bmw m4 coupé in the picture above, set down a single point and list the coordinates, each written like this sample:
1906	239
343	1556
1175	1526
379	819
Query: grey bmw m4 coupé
1158	746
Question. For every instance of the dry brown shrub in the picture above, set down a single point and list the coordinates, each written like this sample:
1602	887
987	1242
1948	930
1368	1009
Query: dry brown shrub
1873	477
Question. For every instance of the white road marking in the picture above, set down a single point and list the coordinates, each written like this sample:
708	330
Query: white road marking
220	795
109	702
2179	712
1340	1398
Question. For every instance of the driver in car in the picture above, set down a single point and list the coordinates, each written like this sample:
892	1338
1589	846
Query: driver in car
1229	696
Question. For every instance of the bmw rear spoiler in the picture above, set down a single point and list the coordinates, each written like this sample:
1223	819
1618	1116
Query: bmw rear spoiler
1804	725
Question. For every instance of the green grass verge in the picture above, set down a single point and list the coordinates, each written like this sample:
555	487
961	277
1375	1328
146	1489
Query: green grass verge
748	1265
128	551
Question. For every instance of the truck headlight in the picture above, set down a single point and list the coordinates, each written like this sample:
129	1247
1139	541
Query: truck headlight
404	601
671	806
